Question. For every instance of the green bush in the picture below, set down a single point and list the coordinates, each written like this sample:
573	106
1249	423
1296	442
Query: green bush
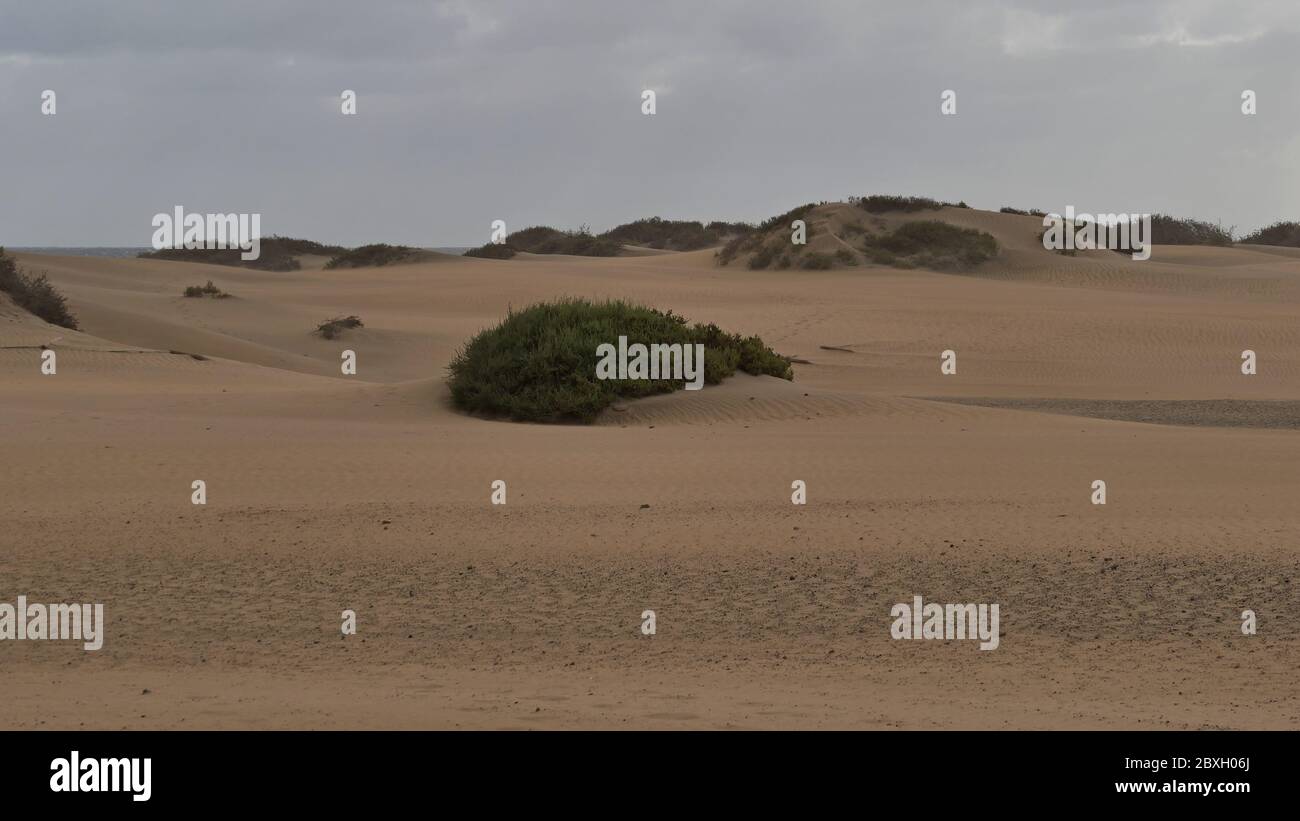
200	291
539	364
276	254
493	250
846	257
542	239
674	235
35	294
934	244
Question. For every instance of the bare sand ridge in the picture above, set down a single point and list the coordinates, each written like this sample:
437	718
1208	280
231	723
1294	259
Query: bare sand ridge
371	493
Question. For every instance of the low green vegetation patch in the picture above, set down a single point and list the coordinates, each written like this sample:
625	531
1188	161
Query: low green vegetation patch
931	244
884	203
200	291
493	250
654	232
1032	212
539	364
783	221
276	254
543	239
1167	230
674	235
1279	233
34	294
373	256
333	328
301	247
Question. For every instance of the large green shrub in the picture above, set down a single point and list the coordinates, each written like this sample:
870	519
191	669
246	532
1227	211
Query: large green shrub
539	364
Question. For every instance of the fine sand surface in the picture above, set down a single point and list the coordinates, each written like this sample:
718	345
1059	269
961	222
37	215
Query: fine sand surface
371	493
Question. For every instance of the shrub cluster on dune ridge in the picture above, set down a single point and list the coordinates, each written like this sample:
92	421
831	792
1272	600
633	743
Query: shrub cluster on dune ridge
493	250
932	244
1279	233
543	239
884	203
539	364
1167	230
277	254
1032	212
674	235
760	241
374	256
652	232
34	294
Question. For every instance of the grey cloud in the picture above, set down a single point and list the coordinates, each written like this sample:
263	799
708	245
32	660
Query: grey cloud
529	112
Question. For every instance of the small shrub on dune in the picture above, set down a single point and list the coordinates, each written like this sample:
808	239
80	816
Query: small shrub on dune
200	291
493	250
333	328
539	364
846	257
35	294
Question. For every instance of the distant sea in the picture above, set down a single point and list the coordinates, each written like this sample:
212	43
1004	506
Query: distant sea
118	251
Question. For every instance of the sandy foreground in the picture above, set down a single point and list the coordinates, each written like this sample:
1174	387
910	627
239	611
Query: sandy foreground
370	493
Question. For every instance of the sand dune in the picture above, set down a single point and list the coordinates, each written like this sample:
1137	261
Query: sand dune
370	492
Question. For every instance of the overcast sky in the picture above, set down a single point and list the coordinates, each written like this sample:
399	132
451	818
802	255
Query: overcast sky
530	112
